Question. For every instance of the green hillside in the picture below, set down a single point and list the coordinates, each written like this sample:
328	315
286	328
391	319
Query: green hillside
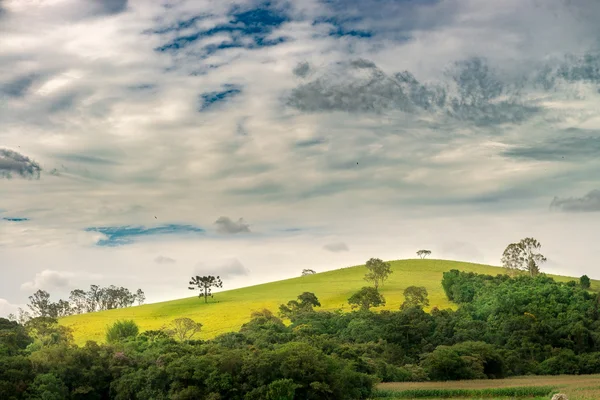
230	309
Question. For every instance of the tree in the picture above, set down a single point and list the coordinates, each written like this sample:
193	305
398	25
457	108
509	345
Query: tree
415	296
423	253
93	298
308	272
140	297
204	284
585	282
78	300
185	328
366	298
61	308
305	303
40	304
378	271
523	256
121	330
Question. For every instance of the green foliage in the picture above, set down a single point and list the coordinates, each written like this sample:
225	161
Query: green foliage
585	282
204	285
121	330
523	256
47	387
305	304
366	298
379	271
415	296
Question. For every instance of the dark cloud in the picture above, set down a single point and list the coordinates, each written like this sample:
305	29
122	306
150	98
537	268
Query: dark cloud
164	260
13	163
227	226
228	269
571	149
17	87
336	247
588	203
302	69
472	92
87	159
310	142
109	7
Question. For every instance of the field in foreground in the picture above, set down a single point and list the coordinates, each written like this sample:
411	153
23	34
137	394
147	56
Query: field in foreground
576	387
230	309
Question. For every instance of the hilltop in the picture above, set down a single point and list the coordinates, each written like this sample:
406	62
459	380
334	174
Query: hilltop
230	309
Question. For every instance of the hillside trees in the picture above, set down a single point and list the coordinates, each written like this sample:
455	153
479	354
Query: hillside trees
185	328
205	284
415	296
379	271
523	256
80	301
306	302
585	282
366	298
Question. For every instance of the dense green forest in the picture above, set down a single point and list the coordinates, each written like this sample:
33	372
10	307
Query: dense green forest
504	326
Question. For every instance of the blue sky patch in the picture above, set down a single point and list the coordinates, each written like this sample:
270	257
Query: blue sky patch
210	99
10	219
123	235
256	23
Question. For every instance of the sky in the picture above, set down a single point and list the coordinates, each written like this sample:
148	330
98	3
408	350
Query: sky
143	142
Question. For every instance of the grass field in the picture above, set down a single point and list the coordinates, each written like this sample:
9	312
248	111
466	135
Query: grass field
576	387
228	310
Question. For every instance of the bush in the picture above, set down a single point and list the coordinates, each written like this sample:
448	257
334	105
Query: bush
565	363
122	330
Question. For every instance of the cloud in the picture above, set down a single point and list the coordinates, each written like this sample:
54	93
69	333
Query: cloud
588	203
226	225
337	247
13	163
48	280
123	235
302	69
574	148
226	269
6	307
164	260
109	7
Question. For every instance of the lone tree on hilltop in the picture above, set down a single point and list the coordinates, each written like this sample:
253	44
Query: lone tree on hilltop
415	296
308	272
205	284
523	256
423	253
378	271
366	298
585	282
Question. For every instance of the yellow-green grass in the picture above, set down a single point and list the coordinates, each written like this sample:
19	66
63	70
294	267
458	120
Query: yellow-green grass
228	310
576	387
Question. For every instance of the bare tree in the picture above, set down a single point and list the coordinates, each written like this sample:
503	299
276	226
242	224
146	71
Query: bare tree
523	256
205	284
140	297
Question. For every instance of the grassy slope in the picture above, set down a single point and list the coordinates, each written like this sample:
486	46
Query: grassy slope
230	309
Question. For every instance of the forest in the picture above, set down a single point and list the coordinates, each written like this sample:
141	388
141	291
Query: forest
504	326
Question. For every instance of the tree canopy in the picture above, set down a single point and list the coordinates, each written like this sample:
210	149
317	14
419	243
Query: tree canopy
378	272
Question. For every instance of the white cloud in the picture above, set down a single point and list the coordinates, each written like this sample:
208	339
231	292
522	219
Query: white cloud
7	308
48	280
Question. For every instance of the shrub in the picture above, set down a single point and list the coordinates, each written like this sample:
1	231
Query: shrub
121	330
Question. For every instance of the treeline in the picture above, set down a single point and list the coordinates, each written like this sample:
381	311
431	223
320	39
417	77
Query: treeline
80	301
504	326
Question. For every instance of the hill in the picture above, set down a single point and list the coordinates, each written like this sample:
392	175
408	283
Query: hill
230	309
